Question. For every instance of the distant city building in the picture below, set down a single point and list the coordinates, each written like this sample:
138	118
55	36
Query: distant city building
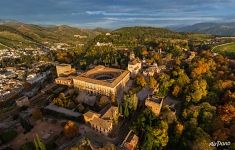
191	55
22	101
132	56
108	34
160	50
103	44
130	142
162	67
64	70
61	46
48	87
90	115
102	80
81	44
12	69
99	80
6	93
154	105
35	78
104	123
101	125
64	81
80	36
149	71
111	113
134	65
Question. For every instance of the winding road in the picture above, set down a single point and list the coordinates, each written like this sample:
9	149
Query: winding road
221	45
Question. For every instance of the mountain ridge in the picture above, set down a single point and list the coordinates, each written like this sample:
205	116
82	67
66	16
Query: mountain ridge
220	29
13	33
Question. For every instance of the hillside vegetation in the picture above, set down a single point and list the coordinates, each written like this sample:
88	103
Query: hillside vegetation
132	36
20	35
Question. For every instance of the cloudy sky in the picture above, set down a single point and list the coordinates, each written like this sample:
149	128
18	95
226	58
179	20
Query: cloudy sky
118	13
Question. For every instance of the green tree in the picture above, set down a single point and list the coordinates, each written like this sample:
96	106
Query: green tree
201	140
39	144
152	83
176	90
226	112
134	101
197	90
165	82
129	104
8	135
71	129
37	114
25	123
156	137
140	81
61	101
27	146
126	109
183	78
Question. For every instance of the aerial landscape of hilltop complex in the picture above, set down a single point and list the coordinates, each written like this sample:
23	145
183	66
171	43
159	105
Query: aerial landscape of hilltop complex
128	84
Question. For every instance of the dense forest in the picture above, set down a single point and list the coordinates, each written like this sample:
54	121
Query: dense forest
205	86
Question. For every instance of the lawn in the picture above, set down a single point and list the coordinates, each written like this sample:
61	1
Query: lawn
2	46
226	49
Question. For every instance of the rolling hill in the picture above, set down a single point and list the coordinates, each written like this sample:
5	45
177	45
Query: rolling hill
147	32
19	35
16	34
132	36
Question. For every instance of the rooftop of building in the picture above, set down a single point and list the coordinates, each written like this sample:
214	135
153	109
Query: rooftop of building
131	138
134	61
103	76
90	114
65	78
22	98
154	100
104	122
62	65
109	114
99	122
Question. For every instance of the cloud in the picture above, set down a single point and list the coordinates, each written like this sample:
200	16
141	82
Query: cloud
118	12
104	13
102	23
166	18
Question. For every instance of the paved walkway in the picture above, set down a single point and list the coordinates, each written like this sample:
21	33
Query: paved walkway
174	103
62	110
96	137
143	94
70	143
